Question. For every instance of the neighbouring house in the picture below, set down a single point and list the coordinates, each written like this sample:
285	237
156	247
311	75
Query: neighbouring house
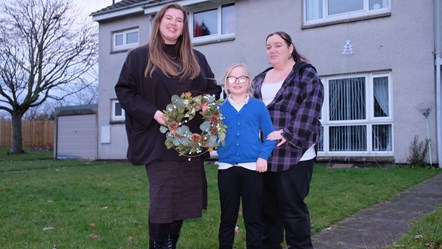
376	59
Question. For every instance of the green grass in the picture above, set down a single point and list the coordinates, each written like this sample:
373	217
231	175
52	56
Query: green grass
81	204
425	234
337	193
27	156
36	159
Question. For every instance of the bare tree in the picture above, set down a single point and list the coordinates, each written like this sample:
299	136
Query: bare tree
87	96
44	54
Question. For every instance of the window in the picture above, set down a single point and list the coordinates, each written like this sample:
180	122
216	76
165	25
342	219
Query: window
126	39
356	116
117	112
319	11
214	23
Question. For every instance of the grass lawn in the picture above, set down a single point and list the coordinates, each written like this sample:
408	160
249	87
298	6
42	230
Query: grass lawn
81	204
425	234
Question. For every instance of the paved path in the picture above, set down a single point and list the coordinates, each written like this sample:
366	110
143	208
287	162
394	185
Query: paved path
382	224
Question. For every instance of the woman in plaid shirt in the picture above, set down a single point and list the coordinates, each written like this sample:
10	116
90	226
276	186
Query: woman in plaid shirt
293	93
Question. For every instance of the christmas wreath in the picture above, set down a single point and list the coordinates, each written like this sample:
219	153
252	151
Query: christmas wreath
183	109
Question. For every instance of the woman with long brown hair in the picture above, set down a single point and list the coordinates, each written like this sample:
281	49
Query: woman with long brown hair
151	74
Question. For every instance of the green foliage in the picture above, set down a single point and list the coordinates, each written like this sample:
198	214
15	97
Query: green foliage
84	204
183	109
418	152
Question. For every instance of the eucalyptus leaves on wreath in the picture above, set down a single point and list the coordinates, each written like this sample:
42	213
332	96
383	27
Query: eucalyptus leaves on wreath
183	109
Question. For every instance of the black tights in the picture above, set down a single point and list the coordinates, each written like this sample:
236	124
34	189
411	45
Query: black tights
159	231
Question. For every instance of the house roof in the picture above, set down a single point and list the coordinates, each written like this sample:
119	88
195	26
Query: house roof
129	7
126	4
76	110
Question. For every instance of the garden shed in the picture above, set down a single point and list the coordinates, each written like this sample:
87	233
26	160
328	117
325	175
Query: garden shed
76	132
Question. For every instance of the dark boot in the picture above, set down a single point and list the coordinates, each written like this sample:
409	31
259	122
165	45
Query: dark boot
154	244
170	241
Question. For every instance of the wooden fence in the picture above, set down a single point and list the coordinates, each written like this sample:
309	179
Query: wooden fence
35	133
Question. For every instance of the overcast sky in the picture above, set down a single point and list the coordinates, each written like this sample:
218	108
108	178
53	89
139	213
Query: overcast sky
89	6
85	6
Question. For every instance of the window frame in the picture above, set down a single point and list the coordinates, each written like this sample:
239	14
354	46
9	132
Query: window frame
214	37
366	12
114	116
369	121
125	45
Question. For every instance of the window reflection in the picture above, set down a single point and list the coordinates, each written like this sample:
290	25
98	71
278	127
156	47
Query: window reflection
205	23
132	37
344	6
119	40
218	21
228	19
378	4
382	138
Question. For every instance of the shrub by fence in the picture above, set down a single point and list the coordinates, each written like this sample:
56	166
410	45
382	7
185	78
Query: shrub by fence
35	133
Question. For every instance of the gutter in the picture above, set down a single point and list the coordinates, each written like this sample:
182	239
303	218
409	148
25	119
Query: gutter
117	12
146	6
438	80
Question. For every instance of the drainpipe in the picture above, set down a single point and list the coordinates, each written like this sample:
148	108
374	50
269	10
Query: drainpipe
438	87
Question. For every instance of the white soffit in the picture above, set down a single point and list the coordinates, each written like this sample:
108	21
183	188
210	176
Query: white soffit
183	3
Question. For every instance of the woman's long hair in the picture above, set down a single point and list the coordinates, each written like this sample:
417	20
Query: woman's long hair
157	58
286	37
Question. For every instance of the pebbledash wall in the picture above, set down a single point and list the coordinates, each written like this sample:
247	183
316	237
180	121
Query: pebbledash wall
389	49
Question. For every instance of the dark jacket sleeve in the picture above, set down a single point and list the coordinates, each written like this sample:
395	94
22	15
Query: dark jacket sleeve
127	87
306	121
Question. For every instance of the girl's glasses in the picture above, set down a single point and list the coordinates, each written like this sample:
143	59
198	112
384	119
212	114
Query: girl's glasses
240	79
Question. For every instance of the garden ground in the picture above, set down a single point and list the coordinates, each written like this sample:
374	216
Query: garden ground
103	205
381	225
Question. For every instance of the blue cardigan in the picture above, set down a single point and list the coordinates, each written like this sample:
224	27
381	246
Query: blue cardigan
242	143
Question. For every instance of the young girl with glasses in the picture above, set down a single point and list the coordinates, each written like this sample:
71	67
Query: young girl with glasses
242	158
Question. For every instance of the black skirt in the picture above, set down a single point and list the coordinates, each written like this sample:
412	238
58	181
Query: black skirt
178	190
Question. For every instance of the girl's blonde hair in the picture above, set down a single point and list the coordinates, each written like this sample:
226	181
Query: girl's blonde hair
246	69
157	58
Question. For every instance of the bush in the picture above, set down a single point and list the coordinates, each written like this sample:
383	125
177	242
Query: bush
418	152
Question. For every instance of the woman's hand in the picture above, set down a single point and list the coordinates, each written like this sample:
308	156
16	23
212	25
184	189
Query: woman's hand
277	135
261	165
159	117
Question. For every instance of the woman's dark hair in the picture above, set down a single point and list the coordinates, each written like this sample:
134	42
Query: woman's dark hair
286	37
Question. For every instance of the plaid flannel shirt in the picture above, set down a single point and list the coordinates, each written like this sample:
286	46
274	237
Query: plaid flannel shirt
296	109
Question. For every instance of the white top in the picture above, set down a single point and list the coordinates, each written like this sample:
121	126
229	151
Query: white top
236	105
309	154
269	91
249	166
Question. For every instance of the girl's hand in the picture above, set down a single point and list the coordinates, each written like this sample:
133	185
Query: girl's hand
261	165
